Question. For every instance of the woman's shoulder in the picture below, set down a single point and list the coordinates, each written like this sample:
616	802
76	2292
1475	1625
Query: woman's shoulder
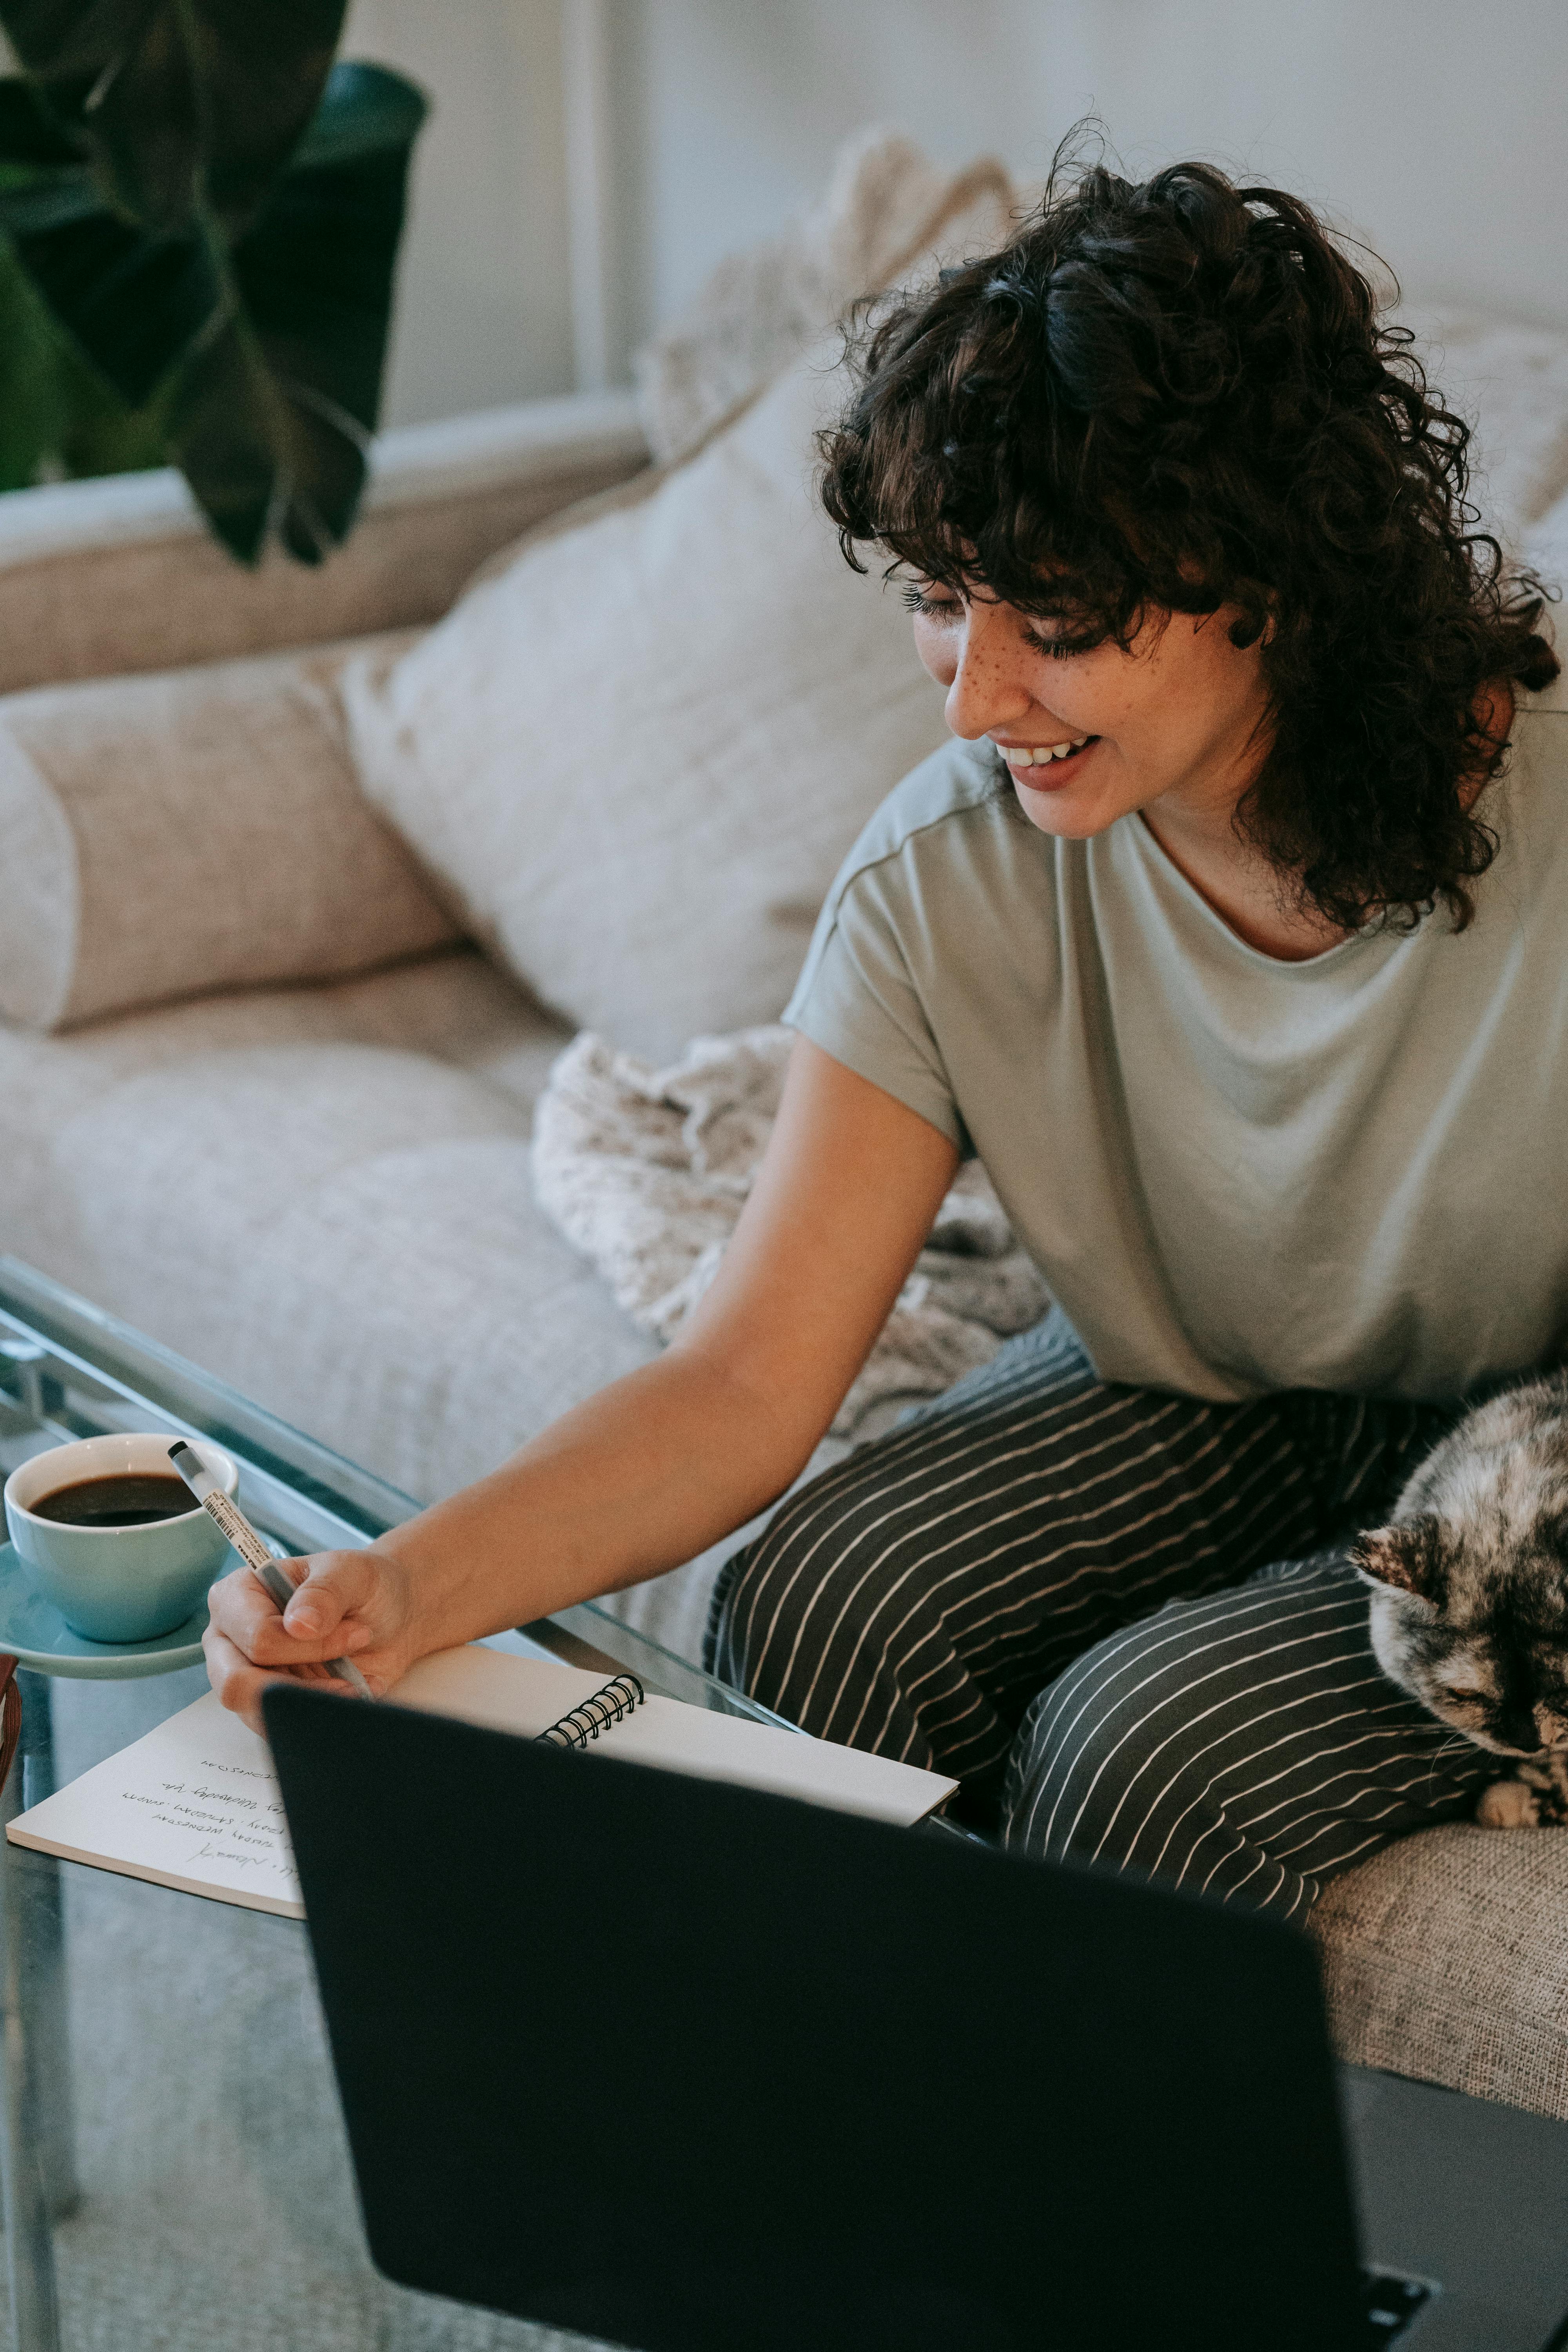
1526	804
919	824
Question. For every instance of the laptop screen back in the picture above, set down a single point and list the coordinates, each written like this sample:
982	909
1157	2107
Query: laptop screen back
696	2069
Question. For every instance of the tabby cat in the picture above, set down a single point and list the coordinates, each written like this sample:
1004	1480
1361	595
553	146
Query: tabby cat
1470	1609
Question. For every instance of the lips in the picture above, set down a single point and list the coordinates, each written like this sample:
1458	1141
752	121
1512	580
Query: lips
1045	768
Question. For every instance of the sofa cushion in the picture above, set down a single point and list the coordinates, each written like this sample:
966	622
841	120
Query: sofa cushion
1545	545
379	1270
637	754
197	830
323	1195
1446	1957
1509	381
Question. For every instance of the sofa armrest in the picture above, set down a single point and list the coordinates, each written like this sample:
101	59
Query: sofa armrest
98	578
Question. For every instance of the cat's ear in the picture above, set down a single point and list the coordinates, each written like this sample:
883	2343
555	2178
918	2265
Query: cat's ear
1405	1558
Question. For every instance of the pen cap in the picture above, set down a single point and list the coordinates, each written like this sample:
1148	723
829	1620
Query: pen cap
185	1459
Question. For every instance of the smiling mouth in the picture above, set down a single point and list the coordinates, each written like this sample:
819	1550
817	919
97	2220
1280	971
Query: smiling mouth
1041	767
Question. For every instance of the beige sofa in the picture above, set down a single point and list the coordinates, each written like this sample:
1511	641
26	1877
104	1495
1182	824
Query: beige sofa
322	1192
321	1188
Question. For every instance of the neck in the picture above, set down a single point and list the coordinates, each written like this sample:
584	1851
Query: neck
1245	890
1198	835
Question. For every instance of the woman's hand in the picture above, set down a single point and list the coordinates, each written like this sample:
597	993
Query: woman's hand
347	1604
653	1469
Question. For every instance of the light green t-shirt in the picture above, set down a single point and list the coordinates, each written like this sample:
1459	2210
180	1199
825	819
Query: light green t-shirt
1236	1174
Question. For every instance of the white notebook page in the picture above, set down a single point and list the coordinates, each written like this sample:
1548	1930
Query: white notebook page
195	1804
192	1804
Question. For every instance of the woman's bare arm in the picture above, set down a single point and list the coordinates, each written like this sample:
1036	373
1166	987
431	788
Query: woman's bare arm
659	1465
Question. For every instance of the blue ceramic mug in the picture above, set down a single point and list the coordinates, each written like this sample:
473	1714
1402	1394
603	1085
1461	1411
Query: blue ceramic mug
116	1583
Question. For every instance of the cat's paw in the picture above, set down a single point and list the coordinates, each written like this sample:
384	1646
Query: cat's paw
1507	1805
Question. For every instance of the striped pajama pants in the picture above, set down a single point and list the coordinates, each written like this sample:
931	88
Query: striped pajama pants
1124	1620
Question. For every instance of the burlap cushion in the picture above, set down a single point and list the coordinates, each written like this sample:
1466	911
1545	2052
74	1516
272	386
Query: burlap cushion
199	829
1446	1957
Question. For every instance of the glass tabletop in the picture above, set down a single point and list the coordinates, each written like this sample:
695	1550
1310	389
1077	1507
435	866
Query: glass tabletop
177	2172
67	1369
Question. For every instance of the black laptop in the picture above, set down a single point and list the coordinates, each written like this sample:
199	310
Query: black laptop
694	2069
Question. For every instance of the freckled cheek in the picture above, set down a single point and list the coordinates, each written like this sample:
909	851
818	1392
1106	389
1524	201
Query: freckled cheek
1125	723
1087	705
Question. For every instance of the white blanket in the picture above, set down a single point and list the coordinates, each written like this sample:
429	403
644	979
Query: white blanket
646	1172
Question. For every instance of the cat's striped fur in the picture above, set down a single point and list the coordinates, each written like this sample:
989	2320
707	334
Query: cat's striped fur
1470	1603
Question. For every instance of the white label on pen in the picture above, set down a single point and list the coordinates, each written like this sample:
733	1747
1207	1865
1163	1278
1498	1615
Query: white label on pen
243	1538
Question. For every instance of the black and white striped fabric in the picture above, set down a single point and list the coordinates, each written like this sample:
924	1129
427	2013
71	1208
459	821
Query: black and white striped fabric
1122	1618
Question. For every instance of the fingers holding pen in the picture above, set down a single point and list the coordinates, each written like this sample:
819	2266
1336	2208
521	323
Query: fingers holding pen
351	1605
249	1616
239	1683
340	1597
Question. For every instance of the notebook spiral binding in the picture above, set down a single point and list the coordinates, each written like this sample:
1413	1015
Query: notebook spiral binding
599	1713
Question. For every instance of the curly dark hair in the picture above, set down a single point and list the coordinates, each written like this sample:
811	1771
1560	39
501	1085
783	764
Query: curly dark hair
1180	395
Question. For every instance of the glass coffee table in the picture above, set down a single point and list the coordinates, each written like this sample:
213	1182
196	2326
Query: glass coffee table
174	2169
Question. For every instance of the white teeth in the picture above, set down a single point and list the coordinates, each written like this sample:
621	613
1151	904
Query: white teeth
1024	755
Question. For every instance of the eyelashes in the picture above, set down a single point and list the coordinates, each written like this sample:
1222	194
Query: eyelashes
938	608
916	600
1062	648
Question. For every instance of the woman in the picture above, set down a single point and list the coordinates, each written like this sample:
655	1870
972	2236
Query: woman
1230	933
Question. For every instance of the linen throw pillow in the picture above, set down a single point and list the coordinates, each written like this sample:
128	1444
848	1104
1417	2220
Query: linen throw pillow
191	830
1509	381
1545	548
635	755
885	203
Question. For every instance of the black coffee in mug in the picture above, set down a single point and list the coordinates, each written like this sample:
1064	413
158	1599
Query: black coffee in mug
130	1498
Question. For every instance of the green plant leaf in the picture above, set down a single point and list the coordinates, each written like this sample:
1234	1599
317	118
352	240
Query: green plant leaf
56	416
274	411
209	217
131	302
264	358
316	273
30	139
29	379
179	102
259	456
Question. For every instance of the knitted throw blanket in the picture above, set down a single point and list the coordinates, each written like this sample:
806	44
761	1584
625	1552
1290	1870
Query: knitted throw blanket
646	1172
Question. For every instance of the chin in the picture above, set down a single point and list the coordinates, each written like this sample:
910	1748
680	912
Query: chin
1063	816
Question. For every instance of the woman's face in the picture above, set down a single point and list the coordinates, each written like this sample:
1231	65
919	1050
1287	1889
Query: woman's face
1175	723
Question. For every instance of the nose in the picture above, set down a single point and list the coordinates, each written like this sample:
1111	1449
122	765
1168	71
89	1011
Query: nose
1517	1728
990	687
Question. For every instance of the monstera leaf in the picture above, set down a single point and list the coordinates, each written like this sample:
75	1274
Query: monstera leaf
210	212
57	414
180	104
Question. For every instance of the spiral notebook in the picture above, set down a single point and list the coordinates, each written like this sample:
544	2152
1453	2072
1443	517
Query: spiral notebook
195	1804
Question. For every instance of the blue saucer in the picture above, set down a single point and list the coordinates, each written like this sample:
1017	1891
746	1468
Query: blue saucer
40	1637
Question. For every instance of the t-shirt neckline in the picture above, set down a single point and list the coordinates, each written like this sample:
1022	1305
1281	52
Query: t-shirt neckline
1164	873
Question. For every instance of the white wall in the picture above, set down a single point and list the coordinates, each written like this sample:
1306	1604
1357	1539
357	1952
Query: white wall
483	309
1435	128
